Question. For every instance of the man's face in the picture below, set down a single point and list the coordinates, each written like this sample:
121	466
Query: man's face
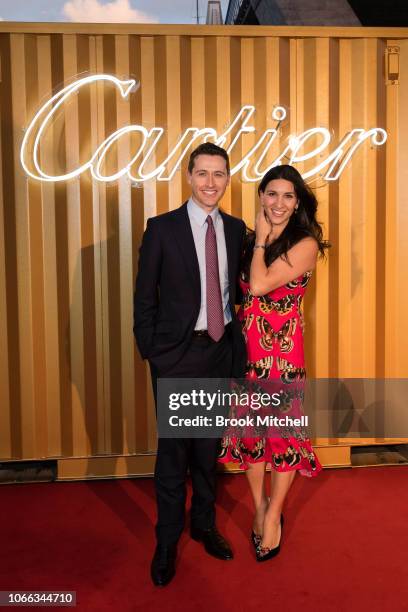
208	179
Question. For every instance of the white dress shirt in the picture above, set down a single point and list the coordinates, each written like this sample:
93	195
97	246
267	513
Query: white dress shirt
198	222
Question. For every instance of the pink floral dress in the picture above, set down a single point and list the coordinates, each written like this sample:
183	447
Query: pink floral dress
273	329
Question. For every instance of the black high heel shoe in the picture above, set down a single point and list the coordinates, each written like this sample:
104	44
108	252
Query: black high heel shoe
255	539
265	553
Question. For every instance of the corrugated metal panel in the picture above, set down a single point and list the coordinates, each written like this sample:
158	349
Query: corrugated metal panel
71	381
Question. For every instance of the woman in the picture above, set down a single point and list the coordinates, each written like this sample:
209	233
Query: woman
277	264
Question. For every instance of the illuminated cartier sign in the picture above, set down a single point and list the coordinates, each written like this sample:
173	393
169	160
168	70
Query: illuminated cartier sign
329	168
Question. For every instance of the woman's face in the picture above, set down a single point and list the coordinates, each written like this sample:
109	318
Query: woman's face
279	201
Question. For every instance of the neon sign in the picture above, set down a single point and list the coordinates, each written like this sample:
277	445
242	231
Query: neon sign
329	168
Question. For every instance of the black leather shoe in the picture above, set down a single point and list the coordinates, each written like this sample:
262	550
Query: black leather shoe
213	542
163	567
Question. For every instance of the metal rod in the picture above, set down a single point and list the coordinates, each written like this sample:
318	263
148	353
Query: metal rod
198	18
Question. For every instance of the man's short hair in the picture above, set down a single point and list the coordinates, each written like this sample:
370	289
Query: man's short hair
208	148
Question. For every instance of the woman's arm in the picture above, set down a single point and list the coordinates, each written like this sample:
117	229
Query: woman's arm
301	258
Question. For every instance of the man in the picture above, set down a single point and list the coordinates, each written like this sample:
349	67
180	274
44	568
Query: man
185	325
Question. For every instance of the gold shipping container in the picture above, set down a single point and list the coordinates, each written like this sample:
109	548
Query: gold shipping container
72	385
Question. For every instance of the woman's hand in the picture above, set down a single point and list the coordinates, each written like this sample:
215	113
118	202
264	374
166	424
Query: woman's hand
262	227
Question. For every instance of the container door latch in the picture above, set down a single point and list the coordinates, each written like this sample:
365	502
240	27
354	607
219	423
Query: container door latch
392	60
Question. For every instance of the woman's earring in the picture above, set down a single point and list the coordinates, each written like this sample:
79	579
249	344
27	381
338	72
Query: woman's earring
296	208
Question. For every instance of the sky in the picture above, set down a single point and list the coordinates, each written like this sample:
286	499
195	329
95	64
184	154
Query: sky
142	11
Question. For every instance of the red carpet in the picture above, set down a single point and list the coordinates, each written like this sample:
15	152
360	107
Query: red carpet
345	546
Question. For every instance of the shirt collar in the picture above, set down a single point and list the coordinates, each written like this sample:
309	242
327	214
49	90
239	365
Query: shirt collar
199	215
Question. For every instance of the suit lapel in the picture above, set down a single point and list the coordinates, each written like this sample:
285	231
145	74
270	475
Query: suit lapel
184	238
183	235
231	250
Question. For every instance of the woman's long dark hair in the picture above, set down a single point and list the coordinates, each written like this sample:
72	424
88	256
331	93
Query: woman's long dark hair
301	224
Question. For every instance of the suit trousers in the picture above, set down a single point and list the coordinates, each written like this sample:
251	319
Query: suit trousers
203	359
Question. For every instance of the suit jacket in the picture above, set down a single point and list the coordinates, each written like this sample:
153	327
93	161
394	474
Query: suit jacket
168	294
